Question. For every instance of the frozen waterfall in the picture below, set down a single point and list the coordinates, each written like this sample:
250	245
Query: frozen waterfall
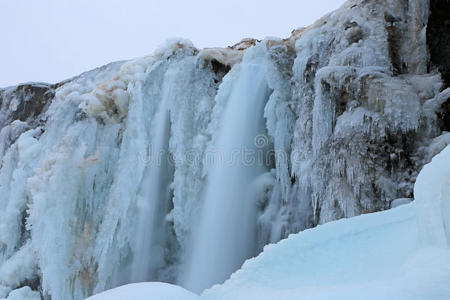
161	168
153	196
225	235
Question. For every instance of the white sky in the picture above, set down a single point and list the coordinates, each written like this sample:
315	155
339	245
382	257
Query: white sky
51	40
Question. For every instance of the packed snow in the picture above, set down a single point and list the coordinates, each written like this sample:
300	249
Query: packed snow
146	291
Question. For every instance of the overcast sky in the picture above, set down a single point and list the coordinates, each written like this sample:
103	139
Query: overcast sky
51	40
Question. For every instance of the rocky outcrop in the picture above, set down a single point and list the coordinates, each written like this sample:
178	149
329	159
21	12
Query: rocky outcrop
438	37
361	98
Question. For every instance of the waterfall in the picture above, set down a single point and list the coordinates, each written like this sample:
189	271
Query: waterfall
225	235
153	198
89	201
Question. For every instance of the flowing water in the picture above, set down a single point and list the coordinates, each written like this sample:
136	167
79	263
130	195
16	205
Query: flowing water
225	235
153	200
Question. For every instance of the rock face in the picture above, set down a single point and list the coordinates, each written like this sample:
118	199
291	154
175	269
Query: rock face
357	104
438	37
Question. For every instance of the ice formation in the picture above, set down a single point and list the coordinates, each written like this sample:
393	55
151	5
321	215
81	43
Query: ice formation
385	255
111	177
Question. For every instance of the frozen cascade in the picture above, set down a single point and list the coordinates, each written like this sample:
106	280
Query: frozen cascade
226	234
154	197
350	111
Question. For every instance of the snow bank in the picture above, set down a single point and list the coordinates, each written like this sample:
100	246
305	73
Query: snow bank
146	291
432	193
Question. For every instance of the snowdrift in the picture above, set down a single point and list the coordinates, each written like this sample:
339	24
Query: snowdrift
146	291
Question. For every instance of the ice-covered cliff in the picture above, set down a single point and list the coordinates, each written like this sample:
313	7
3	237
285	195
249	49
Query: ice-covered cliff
180	165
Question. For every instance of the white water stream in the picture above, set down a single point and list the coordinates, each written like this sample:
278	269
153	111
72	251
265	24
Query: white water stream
225	236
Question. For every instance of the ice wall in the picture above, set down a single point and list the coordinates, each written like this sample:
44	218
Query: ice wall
105	177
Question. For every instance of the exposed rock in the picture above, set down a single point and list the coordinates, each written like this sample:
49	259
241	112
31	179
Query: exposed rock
438	37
